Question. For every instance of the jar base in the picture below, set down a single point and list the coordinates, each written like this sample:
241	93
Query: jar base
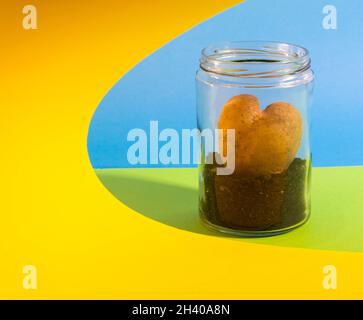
251	233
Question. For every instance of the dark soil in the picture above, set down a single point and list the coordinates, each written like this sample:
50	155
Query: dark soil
256	203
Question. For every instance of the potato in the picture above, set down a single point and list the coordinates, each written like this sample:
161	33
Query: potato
266	141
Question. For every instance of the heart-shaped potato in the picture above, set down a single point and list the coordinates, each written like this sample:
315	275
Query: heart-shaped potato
266	141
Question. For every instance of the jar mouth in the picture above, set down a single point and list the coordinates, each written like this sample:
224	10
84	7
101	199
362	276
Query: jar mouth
255	59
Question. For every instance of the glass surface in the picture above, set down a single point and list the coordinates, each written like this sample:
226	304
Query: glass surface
269	191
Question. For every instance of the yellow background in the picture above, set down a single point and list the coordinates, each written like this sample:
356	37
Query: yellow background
55	213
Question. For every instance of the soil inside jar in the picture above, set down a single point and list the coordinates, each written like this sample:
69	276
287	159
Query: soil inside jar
270	202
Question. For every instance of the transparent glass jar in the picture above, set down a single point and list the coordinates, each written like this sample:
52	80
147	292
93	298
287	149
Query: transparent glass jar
261	90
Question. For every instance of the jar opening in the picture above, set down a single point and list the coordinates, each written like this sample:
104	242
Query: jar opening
258	59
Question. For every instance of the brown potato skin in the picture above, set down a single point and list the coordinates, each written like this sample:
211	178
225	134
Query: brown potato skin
266	140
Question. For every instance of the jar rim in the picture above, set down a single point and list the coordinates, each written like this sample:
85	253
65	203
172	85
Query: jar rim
256	59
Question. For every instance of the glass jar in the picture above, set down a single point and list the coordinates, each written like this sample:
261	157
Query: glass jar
262	91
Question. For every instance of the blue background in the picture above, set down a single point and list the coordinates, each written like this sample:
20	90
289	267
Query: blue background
162	87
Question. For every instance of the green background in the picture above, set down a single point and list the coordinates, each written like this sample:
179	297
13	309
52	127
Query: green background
171	197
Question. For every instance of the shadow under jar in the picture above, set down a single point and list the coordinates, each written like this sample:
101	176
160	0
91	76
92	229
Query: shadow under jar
262	91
